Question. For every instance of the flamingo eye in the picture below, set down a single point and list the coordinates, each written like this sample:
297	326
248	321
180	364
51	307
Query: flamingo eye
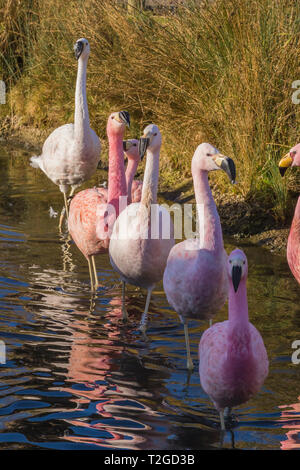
134	145
244	262
155	134
210	155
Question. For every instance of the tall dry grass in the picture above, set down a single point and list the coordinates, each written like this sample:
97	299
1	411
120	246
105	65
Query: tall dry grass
218	71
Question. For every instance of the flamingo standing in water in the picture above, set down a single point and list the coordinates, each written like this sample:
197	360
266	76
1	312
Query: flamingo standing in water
293	246
195	279
138	247
83	217
70	154
233	361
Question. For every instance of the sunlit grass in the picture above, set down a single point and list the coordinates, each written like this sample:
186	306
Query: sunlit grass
217	71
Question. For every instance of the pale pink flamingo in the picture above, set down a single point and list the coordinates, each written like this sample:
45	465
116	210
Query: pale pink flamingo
195	279
70	154
233	361
134	187
293	246
83	217
137	255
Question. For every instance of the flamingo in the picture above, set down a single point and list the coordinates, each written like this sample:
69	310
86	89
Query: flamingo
195	279
233	361
293	246
83	217
70	154
137	255
134	187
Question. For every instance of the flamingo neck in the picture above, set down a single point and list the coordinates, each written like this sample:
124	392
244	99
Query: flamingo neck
296	220
129	175
81	118
207	212
238	306
150	182
116	171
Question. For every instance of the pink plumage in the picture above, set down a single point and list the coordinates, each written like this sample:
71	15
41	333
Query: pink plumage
292	158
84	222
195	278
233	361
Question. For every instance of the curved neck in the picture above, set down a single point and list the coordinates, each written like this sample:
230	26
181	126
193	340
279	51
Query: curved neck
81	118
208	215
116	171
130	172
150	182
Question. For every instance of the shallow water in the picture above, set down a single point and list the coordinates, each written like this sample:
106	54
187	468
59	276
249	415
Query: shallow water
77	378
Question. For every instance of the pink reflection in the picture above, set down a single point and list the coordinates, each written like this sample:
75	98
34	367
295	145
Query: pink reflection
292	413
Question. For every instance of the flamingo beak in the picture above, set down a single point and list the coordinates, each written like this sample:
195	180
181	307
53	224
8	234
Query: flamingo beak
226	164
78	48
236	275
284	163
123	116
143	145
127	145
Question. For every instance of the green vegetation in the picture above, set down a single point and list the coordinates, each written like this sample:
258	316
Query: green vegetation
219	71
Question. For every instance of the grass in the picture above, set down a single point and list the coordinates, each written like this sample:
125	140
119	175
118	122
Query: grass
218	71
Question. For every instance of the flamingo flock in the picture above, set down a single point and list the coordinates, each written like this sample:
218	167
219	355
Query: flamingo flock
126	222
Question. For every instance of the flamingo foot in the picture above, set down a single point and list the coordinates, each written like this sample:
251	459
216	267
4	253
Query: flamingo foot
190	364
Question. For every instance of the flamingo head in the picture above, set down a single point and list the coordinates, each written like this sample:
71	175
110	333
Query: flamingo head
292	158
82	48
151	139
117	122
131	149
237	267
208	158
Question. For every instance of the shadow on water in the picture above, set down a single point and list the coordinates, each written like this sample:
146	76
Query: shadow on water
76	377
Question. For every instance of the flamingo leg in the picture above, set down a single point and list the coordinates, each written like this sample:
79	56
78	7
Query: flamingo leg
124	311
143	324
189	362
65	210
210	322
95	272
222	420
91	274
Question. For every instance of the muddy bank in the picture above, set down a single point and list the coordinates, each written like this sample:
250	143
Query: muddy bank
240	219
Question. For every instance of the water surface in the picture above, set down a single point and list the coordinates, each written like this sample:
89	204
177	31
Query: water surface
76	377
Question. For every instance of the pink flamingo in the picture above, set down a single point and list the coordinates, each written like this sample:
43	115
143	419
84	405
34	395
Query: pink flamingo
71	153
195	279
293	246
134	187
83	216
137	255
233	359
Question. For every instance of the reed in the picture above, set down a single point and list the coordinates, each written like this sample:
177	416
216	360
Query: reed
219	71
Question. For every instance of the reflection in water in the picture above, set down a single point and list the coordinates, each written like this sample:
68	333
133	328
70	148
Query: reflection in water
78	378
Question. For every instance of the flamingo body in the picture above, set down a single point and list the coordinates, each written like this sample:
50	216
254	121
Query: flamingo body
71	153
233	361
195	279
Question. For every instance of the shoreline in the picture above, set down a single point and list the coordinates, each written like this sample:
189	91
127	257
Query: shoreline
241	220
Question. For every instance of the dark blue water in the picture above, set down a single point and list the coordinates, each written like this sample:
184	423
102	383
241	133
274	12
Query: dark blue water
76	377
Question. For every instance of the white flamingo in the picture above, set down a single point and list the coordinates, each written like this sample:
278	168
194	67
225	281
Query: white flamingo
71	153
139	248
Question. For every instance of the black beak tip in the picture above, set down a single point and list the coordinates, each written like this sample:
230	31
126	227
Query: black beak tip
125	117
228	166
236	277
282	170
78	48
143	145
